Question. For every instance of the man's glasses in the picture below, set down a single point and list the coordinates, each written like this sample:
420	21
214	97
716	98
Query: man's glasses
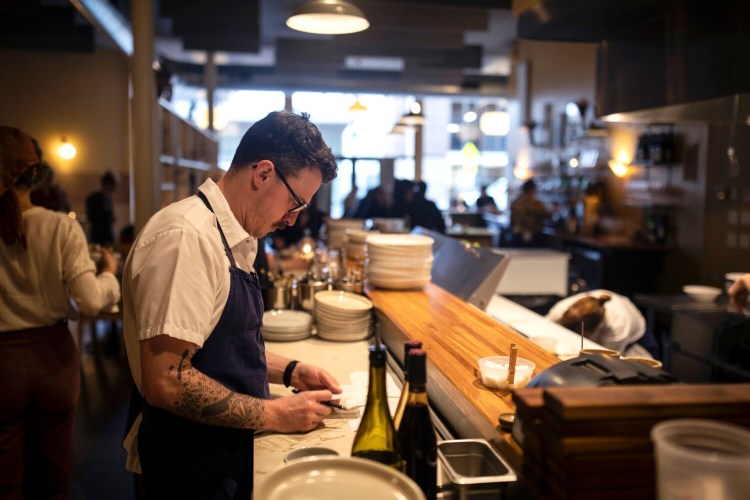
301	205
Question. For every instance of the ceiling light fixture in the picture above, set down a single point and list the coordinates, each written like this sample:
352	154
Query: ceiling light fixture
327	17
357	107
495	123
414	116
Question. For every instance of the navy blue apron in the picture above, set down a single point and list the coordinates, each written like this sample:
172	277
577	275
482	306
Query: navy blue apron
185	459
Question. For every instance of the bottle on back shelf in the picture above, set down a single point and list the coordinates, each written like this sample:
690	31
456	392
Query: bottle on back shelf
376	437
416	435
408	346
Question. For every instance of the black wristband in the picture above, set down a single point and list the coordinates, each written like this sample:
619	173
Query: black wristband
288	372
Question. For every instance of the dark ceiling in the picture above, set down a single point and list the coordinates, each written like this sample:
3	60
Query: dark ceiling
412	46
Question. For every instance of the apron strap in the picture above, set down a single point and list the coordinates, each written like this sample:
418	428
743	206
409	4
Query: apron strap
223	238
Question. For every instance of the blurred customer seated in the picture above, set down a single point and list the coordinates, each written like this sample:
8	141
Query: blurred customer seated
423	212
375	204
486	203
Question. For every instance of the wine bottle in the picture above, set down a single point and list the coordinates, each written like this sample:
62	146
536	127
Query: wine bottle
416	435
408	346
376	437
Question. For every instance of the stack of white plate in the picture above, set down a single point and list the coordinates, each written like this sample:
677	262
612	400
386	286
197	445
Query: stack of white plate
399	261
336	232
343	316
355	242
284	325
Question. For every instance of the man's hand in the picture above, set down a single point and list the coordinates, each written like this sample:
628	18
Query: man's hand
738	293
310	377
108	262
299	413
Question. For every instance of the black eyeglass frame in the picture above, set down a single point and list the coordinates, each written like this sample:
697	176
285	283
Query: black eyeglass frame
301	205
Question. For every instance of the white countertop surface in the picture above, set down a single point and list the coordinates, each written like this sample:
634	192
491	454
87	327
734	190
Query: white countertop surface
341	359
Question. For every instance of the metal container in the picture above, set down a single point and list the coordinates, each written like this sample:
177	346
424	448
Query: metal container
350	286
306	293
473	469
277	298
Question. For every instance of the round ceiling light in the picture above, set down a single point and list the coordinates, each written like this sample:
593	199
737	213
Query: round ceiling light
327	17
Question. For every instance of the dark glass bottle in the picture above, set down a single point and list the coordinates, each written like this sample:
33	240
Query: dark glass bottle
408	346
376	437
416	435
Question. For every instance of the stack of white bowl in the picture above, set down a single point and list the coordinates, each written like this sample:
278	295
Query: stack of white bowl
284	325
355	242
336	231
343	316
399	261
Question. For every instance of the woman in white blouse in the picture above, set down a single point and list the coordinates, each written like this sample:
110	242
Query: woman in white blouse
45	268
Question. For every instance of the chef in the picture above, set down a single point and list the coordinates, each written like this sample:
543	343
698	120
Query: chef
192	314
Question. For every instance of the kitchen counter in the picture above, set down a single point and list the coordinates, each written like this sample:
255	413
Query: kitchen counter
455	335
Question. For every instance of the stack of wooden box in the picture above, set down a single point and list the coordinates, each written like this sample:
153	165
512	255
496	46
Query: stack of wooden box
595	442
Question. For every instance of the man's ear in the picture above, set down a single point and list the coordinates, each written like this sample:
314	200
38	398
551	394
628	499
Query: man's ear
262	173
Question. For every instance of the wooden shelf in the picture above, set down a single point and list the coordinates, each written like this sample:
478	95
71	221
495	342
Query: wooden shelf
187	155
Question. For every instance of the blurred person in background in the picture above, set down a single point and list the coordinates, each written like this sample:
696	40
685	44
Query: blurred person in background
308	223
45	267
351	202
486	203
101	212
423	212
527	216
375	204
48	193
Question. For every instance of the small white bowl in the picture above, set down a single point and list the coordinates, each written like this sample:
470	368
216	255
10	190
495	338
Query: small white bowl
494	370
701	293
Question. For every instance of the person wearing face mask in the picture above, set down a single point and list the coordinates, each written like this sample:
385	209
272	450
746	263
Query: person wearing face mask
192	311
46	277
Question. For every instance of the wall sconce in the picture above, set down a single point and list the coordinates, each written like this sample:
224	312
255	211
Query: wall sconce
66	150
327	17
619	169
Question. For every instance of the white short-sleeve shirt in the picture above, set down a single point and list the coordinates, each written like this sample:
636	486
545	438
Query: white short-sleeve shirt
54	278
176	278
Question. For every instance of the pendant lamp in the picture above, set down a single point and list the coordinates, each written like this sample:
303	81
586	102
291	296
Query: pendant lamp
414	116
327	17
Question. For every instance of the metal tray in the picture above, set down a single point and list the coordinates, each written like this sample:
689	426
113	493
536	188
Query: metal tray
474	468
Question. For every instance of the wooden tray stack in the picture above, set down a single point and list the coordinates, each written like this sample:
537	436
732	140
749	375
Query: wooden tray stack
595	443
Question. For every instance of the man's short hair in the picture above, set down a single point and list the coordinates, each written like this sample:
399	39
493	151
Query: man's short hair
292	142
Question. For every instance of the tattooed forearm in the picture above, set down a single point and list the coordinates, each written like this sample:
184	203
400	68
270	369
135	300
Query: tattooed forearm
206	400
182	360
